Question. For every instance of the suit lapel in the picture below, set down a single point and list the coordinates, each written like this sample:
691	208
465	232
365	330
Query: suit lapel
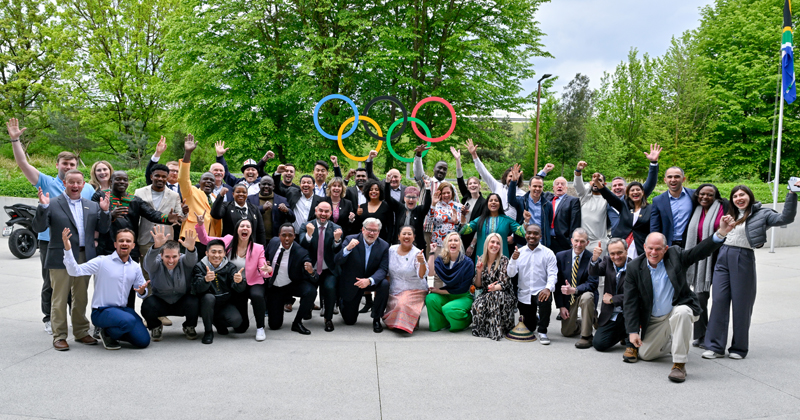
85	204
647	281
62	201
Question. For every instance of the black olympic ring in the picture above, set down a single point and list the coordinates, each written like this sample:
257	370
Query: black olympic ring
399	104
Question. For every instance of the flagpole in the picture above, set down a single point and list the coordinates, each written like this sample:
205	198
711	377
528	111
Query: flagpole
777	170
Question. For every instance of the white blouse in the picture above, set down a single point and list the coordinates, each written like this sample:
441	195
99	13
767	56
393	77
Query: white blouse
404	271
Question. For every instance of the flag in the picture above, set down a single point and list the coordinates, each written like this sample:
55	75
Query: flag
787	55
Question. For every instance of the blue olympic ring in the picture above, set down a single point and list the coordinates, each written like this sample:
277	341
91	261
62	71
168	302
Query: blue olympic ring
316	116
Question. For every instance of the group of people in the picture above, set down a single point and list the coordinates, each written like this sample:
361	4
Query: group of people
214	249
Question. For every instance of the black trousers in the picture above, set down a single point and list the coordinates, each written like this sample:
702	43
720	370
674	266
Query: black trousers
187	306
701	324
327	292
529	316
349	308
277	297
220	313
609	334
257	296
47	289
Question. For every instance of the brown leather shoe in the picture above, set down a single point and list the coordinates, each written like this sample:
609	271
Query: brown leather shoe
60	345
678	373
87	340
631	355
584	342
287	307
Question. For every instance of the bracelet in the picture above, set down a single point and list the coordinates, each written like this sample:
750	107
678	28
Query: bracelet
578	170
14	140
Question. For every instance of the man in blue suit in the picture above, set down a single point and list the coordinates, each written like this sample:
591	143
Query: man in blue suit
575	288
364	264
673	209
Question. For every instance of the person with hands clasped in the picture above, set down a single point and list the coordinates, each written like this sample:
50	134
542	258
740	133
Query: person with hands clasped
171	282
659	307
215	280
611	322
239	208
450	305
538	271
576	289
115	274
493	309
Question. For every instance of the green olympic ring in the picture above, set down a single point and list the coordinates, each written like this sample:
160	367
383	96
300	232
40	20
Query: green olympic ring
389	139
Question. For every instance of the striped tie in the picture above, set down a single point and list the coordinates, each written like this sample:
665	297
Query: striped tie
574	282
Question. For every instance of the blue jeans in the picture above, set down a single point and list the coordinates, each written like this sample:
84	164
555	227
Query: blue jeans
122	324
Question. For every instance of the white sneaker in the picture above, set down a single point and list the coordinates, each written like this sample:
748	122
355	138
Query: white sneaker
543	339
48	328
711	354
735	356
260	335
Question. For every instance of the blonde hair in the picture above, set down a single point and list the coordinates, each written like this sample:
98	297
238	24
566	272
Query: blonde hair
444	254
336	180
93	179
485	256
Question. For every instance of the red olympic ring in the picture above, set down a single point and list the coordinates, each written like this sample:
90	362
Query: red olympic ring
449	108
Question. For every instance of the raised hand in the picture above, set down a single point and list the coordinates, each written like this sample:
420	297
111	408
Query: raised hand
65	235
189	144
726	225
352	244
269	155
335	161
421	148
472	149
337	235
159	235
161	146
309	268
173	217
515	255
434	247
310	229
237	278
282	207
597	252
201	220
44	198
350	173
104	203
527	216
515	172
184	207
581	166
224	191
421	257
190	238
220	148
280	169
143	288
655	151
479	266
266	269
435	198
456	153
210	274
548	167
372	154
13	129
597	181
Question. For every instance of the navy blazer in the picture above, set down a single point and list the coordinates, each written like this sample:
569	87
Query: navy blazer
567	219
521	204
278	217
353	265
586	283
661	219
330	249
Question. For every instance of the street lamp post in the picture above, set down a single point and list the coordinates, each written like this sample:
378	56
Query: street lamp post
538	104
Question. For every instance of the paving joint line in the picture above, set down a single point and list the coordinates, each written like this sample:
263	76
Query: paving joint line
31	417
757	380
378	375
25	359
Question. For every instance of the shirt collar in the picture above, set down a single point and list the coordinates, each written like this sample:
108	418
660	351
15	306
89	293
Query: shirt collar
115	256
240	207
290	247
683	194
623	268
575	255
660	265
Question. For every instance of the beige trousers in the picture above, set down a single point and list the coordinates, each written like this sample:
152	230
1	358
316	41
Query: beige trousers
63	284
572	325
671	332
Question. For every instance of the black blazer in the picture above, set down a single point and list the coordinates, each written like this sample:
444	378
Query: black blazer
227	212
278	217
417	219
298	256
521	204
294	197
352	264
223	287
625	224
330	249
136	209
345	208
661	219
58	216
606	267
568	218
639	285
480	204
586	282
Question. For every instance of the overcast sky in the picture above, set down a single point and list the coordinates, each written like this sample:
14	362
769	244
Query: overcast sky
593	36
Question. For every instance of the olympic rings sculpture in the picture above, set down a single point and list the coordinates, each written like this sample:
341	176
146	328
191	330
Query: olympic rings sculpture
356	118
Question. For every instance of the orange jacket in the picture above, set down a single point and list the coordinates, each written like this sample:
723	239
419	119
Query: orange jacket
198	203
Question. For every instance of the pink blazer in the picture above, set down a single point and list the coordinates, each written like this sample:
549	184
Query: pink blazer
254	260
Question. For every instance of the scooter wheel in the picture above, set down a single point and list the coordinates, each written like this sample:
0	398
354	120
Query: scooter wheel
22	243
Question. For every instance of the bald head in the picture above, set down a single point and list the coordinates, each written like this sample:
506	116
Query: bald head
560	186
655	247
394	177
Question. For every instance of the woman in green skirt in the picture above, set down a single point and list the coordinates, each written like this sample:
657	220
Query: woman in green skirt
450	305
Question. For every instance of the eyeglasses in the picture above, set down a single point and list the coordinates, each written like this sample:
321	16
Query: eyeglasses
411	197
372	230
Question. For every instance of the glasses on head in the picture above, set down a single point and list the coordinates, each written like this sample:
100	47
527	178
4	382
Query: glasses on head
372	230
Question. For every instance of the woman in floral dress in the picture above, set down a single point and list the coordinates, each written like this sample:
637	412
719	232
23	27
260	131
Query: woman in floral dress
493	309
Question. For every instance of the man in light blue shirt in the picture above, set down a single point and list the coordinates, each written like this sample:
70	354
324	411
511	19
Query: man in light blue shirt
55	187
115	275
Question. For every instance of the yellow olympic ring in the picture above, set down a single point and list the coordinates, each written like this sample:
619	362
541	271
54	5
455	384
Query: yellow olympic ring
344	125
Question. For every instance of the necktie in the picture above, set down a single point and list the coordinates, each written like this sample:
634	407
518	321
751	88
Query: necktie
553	223
320	246
278	264
574	281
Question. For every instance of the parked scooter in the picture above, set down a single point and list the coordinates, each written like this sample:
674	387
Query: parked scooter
22	241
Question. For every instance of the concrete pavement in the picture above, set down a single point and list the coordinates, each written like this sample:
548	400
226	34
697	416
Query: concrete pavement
353	373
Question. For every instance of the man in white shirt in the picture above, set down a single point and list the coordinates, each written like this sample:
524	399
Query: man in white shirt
537	269
303	202
115	275
594	208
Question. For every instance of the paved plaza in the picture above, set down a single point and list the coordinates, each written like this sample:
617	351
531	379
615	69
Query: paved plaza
353	373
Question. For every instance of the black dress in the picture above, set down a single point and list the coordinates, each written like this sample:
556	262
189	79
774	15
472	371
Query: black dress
384	214
345	208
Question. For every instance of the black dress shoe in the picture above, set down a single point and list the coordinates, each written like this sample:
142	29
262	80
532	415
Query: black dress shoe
222	331
328	325
376	326
367	307
208	337
299	327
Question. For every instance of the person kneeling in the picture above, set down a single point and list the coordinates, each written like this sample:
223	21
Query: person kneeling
292	275
115	275
171	281
215	280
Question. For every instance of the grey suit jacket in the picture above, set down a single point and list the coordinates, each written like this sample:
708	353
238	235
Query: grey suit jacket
57	216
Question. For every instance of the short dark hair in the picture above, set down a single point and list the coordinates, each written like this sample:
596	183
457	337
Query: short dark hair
124	230
170	245
215	242
286	165
678	168
414	231
361	169
307	176
159	167
322	163
287	225
74	172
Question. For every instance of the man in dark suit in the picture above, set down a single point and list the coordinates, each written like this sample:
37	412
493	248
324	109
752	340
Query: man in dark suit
533	203
274	208
330	234
356	193
659	305
393	179
364	264
303	202
611	322
408	212
672	210
292	275
84	218
575	288
566	217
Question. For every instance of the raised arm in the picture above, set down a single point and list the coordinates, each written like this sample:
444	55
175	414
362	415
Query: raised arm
484	173
612	199
418	169
652	173
368	165
14	132
580	188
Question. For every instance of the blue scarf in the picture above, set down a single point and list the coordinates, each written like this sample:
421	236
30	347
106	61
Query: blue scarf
458	279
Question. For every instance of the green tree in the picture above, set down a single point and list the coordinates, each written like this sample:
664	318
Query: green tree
67	132
569	131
